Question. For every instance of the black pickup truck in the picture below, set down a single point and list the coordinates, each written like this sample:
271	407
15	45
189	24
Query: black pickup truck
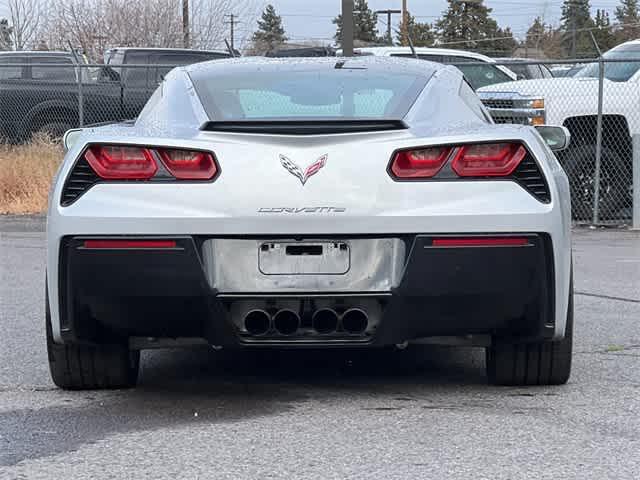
41	91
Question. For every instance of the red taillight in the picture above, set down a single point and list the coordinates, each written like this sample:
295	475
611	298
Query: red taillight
419	163
478	160
127	162
129	244
118	162
189	165
488	160
480	242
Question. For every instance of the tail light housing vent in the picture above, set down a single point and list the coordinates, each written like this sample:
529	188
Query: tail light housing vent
483	161
111	163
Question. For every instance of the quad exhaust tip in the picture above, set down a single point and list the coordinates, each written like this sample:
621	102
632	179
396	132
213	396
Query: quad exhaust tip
257	322
286	322
325	320
355	321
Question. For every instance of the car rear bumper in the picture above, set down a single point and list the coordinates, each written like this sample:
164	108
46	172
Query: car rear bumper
411	286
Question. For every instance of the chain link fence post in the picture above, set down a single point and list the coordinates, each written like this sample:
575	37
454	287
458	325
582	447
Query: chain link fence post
598	170
635	223
80	98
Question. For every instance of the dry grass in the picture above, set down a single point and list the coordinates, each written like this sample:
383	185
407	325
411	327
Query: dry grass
26	173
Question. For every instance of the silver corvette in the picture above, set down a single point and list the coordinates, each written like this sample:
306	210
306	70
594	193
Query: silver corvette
300	203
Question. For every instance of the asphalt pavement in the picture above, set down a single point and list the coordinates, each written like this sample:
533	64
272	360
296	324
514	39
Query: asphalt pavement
426	412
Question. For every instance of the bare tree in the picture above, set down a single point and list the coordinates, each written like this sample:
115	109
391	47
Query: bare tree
208	26
26	18
94	25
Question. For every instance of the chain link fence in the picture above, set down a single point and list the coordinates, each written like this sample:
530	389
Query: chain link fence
50	98
600	107
599	103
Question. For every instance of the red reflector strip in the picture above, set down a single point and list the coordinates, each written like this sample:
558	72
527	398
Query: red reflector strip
122	244
480	242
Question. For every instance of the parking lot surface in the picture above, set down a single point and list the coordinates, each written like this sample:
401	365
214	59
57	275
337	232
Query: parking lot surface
425	412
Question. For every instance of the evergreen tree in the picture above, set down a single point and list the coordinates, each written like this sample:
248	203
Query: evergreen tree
628	16
422	34
270	34
468	25
504	45
543	38
5	35
605	38
575	24
535	34
365	23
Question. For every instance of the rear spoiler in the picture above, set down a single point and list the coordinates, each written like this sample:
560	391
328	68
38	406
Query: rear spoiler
303	127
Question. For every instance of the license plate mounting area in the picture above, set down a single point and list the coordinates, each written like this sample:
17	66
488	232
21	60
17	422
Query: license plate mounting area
327	257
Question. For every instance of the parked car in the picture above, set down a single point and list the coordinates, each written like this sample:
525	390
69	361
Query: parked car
566	71
573	102
481	72
292	203
43	94
34	89
302	52
140	82
525	69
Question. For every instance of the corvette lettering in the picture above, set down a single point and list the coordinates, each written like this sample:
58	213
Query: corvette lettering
295	210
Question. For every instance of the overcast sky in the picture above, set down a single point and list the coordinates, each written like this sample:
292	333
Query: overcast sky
311	19
305	19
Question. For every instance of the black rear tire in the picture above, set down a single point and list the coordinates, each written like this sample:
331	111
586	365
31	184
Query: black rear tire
90	367
540	363
579	164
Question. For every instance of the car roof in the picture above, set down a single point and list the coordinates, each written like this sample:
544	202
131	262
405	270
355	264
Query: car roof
375	64
516	59
36	52
425	50
630	42
159	49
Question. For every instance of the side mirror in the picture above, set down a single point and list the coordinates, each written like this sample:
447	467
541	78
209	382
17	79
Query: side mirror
70	137
556	138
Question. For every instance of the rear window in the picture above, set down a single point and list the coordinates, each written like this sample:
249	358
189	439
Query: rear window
306	94
61	69
13	72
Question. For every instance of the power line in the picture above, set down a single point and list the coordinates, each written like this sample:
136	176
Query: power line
388	13
232	23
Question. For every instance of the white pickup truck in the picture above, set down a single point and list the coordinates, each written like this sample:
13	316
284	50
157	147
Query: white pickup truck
573	102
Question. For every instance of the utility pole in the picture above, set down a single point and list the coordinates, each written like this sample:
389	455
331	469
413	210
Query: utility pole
388	13
232	23
405	24
574	37
186	40
347	28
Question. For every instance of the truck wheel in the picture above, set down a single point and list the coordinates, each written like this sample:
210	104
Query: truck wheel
90	367
540	363
579	163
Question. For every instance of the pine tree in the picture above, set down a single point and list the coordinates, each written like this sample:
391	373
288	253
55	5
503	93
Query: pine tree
543	38
628	17
365	23
5	35
468	25
575	24
422	34
605	38
535	33
270	34
504	45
